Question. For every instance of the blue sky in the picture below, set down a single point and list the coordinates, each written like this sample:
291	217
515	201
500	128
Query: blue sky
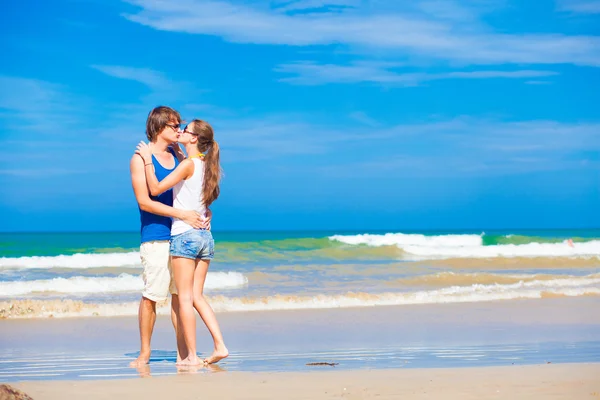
340	114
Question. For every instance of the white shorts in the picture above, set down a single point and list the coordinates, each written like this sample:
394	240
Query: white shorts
157	273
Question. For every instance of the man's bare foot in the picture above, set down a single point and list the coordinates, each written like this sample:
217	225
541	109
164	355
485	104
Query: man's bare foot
191	361
142	360
219	354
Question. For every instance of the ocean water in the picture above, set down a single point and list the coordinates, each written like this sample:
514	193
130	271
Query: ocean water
85	274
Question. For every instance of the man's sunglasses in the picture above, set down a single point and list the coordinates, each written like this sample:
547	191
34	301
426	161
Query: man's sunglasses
175	126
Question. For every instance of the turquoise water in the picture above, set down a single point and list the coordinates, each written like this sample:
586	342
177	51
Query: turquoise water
99	275
52	244
296	270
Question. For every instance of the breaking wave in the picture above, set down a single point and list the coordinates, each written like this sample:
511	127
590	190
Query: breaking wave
536	289
98	285
473	246
81	260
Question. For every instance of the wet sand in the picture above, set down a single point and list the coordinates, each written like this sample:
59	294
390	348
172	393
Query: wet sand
565	381
523	332
557	319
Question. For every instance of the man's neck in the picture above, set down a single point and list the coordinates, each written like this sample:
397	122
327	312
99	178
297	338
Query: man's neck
160	146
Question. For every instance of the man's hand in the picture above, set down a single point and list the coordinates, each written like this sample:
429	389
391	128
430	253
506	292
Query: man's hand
178	152
207	219
193	218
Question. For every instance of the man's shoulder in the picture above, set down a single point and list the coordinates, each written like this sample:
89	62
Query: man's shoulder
136	164
136	159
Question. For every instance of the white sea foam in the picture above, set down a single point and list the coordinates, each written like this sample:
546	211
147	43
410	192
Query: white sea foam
98	285
402	239
453	294
388	299
581	286
72	261
470	246
586	249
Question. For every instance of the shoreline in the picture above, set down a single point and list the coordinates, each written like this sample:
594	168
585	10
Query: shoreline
509	310
556	381
33	309
525	332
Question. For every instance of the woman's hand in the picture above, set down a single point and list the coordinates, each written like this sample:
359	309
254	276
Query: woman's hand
144	150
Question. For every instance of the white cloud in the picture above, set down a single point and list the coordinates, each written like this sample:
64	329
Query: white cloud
404	33
162	89
580	6
38	106
363	118
450	147
146	76
463	11
42	174
466	145
537	82
474	146
313	5
310	73
246	140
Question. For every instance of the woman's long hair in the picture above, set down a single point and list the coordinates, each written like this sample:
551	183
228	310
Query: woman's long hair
212	169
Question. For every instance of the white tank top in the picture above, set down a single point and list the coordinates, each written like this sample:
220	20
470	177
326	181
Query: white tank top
187	195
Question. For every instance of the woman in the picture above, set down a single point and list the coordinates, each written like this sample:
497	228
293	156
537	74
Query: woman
195	184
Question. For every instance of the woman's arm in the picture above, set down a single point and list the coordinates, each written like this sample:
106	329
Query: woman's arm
145	203
183	171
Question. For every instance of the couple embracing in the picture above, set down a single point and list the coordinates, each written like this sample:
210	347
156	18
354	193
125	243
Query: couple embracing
174	191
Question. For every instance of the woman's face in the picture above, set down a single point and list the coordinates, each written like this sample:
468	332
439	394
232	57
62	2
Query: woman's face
184	137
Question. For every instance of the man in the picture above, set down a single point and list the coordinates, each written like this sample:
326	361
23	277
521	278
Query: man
162	129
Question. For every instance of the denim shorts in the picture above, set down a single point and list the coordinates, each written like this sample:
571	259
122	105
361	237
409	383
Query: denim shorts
194	244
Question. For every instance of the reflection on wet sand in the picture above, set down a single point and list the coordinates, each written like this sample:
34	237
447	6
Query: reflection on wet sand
145	371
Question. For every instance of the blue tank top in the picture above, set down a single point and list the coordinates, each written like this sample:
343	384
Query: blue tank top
157	227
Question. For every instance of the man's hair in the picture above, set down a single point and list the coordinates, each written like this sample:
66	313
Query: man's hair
158	118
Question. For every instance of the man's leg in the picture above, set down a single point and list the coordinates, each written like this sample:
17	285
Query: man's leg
146	318
182	351
155	260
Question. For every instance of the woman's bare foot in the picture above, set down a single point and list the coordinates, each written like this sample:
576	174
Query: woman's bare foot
142	360
213	367
219	354
189	369
144	371
190	361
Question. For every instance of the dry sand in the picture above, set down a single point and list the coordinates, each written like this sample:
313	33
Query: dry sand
548	381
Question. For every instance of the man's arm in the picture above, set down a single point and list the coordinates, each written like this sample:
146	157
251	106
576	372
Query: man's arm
140	189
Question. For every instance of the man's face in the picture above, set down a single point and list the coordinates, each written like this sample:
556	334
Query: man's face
171	131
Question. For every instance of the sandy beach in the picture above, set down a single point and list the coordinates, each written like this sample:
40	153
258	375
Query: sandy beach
566	381
524	332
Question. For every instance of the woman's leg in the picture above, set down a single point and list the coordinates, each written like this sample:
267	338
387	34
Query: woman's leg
207	314
175	319
183	273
